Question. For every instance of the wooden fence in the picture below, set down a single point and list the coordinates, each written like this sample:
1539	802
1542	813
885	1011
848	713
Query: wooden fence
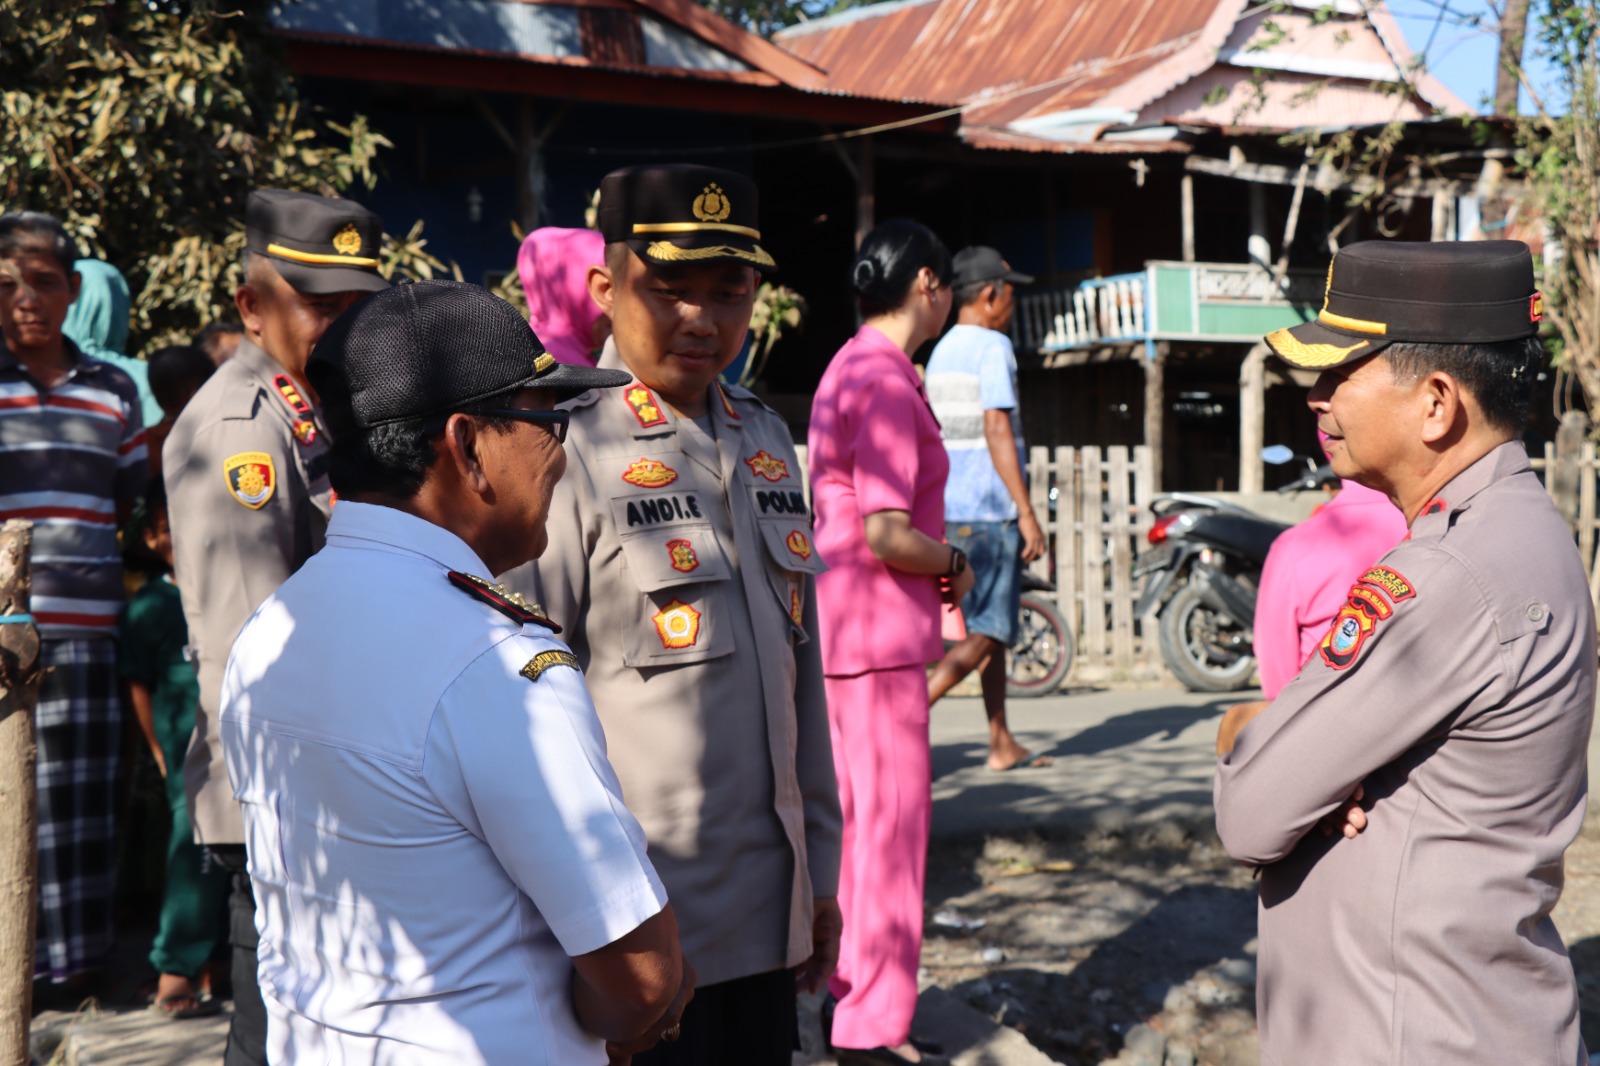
1571	468
1094	505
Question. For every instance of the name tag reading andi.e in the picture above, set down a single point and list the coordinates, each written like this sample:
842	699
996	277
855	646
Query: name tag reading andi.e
654	510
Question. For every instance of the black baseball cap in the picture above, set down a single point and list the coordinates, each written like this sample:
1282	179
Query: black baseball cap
980	263
319	244
1432	292
678	213
429	348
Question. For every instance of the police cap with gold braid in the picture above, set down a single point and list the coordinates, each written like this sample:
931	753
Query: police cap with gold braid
1424	292
681	213
426	349
319	244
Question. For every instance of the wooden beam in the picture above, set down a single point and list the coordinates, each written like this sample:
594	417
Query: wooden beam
1186	191
1252	418
866	188
1272	174
1155	410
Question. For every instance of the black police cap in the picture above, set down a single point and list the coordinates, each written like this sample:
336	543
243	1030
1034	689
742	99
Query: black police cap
681	213
429	348
319	244
1444	292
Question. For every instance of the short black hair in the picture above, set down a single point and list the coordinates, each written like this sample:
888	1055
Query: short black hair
1499	374
210	335
969	291
393	459
174	369
22	231
135	555
890	258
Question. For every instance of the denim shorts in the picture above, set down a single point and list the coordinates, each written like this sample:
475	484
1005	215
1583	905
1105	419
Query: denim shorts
994	552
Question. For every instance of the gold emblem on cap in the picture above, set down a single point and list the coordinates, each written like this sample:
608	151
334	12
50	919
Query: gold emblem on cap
348	240
668	252
712	204
544	362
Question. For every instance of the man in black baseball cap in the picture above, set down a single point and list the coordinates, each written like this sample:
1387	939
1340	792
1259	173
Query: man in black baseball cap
1438	731
247	478
393	688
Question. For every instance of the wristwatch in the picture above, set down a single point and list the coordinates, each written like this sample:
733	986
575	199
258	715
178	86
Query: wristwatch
958	563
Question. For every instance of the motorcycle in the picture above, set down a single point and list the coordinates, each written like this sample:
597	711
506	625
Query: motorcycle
1038	661
1201	576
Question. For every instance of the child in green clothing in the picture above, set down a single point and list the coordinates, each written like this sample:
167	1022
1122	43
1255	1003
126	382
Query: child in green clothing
152	658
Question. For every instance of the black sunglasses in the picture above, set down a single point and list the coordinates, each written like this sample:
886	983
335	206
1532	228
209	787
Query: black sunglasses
555	421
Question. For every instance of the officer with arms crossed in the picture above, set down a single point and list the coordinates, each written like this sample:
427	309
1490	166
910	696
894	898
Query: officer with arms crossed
246	468
445	869
1439	731
681	555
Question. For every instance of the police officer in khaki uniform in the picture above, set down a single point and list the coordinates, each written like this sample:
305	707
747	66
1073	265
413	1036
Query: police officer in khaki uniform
1439	732
247	480
681	565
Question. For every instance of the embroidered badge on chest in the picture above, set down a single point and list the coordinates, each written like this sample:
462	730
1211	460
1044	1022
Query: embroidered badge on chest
650	474
678	625
511	604
643	403
251	477
545	660
1372	600
798	543
682	555
763	465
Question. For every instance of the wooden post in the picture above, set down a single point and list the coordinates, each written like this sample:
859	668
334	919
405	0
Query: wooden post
1186	188
1039	496
1252	418
1565	474
1067	537
1144	491
1259	247
1155	408
866	178
1121	562
1093	497
19	810
1586	502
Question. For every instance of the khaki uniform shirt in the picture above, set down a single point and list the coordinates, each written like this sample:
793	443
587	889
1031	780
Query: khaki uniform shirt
247	487
681	564
1457	685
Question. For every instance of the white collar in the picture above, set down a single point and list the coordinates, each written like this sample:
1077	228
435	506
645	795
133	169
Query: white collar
407	533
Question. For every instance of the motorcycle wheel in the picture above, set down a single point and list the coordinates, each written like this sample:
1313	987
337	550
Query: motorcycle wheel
1041	657
1196	645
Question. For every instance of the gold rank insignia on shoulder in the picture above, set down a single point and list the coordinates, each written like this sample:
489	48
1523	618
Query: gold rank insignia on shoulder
650	474
251	478
763	465
545	660
511	604
644	405
727	404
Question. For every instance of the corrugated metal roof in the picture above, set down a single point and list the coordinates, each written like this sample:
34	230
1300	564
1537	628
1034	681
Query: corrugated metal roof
1030	57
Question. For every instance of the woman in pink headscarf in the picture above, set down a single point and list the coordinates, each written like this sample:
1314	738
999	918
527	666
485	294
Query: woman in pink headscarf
554	265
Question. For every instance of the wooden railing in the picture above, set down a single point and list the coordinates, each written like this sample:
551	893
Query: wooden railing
1095	312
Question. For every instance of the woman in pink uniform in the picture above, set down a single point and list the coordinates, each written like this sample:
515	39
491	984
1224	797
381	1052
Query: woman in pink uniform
877	472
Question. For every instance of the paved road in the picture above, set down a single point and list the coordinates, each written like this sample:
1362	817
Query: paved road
1129	755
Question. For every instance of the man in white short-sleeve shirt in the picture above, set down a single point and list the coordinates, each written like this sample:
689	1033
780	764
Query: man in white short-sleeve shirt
444	868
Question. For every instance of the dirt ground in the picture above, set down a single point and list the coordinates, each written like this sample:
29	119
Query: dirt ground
1139	949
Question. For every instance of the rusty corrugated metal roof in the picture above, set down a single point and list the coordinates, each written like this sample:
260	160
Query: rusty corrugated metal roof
1030	57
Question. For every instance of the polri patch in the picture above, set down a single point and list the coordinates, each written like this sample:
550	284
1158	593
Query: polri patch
643	403
545	660
1390	581
797	543
251	477
305	431
649	474
678	625
765	466
511	604
681	552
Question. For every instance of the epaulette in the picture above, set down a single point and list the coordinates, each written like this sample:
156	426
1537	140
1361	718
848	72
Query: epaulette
739	392
511	604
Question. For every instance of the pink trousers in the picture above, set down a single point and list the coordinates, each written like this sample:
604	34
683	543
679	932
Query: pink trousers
879	724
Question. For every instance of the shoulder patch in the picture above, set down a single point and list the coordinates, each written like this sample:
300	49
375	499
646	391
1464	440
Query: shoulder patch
1390	582
643	404
511	604
251	478
545	660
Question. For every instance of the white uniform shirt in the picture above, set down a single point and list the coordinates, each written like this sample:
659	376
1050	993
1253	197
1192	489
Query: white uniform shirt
431	834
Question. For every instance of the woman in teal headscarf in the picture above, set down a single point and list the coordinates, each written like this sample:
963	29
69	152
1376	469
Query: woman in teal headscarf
97	322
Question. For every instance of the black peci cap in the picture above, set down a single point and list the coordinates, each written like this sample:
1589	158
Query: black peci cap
681	213
980	263
1444	292
414	351
319	244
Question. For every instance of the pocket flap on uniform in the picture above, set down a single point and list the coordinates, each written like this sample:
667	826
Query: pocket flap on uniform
790	545
677	555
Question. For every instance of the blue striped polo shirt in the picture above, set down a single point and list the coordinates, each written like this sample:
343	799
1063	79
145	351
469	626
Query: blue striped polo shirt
68	456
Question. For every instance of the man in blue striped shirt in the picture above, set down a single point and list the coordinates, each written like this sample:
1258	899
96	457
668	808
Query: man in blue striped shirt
72	462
